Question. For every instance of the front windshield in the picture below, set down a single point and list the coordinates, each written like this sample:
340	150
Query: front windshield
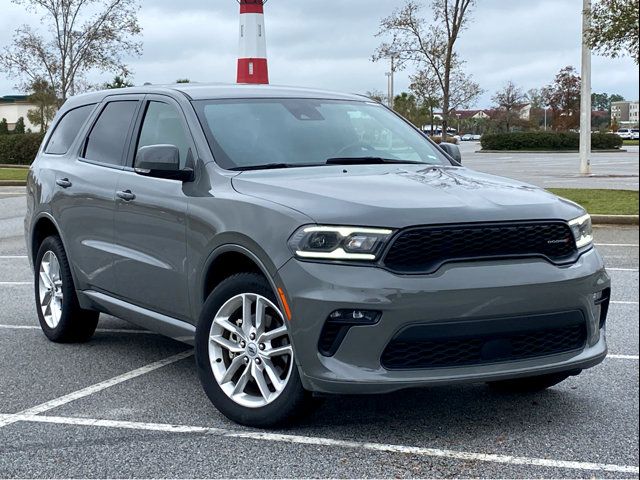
254	133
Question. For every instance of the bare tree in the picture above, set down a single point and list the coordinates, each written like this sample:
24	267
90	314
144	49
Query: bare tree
83	35
509	101
563	96
431	46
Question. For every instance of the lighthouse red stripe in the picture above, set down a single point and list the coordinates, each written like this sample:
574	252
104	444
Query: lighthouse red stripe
253	70
251	8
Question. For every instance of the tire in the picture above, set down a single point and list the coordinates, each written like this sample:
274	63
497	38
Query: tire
64	321
531	384
230	378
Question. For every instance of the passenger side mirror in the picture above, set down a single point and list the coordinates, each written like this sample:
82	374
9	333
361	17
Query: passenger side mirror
161	161
452	150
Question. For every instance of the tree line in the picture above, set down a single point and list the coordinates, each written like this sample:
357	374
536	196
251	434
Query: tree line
428	44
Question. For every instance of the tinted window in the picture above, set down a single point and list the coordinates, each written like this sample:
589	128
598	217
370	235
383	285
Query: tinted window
162	126
67	130
106	142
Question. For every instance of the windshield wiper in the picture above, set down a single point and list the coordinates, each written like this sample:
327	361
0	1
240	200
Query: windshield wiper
368	161
272	166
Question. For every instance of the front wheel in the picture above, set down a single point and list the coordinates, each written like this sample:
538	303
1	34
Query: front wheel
245	357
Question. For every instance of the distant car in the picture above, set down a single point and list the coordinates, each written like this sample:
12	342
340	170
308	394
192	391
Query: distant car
635	134
477	138
467	137
625	133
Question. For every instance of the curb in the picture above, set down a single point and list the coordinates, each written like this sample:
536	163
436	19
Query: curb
11	165
616	150
614	219
12	183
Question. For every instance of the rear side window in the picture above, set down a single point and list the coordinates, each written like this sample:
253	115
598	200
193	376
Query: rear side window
106	142
67	130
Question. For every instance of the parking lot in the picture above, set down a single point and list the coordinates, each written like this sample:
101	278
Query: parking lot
613	170
129	404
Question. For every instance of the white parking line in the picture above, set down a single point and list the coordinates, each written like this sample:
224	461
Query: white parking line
98	330
85	392
609	269
616	245
620	302
624	357
328	442
15	283
12	256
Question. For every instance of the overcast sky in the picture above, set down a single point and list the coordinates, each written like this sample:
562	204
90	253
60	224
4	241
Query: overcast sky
328	44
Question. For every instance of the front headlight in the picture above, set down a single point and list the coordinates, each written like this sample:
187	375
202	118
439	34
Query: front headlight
339	243
582	230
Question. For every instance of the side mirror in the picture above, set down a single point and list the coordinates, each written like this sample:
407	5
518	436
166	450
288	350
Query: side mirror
161	161
452	150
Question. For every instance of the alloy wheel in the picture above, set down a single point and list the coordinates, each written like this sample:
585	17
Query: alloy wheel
250	350
50	289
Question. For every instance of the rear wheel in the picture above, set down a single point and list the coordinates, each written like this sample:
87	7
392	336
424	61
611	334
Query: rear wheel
531	384
244	354
61	318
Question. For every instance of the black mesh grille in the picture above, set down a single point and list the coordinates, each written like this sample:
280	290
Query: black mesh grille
421	352
425	249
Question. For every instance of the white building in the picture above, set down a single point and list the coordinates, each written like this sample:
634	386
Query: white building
12	107
625	113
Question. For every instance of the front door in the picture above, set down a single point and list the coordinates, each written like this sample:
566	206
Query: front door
150	220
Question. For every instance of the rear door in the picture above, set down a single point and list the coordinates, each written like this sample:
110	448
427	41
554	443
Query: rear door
150	220
84	204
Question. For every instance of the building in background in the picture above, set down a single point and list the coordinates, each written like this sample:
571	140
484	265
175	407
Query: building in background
625	113
12	107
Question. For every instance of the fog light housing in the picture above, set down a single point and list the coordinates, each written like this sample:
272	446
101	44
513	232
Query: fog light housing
338	324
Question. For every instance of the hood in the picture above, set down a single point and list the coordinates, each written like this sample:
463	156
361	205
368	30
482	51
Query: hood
396	197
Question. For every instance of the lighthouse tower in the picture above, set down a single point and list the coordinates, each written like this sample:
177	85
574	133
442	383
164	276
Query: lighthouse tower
252	59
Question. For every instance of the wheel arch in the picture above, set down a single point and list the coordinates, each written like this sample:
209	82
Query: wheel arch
229	259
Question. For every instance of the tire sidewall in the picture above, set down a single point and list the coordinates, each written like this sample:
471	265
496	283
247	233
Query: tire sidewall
290	399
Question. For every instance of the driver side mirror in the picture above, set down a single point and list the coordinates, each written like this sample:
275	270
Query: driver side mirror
161	161
452	150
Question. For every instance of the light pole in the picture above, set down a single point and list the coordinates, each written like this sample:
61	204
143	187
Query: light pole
585	93
390	82
545	118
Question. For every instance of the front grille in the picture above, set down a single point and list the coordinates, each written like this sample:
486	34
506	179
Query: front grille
425	249
484	342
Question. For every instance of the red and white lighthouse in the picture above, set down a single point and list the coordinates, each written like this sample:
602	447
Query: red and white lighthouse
252	59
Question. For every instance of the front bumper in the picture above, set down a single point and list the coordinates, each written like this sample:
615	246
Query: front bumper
456	292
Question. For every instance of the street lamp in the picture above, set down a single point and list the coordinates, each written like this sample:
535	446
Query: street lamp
585	93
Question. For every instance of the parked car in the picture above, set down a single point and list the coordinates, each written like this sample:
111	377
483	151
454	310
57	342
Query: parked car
477	138
625	133
467	137
305	242
635	134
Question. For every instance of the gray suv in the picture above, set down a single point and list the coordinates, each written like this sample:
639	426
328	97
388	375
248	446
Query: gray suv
306	242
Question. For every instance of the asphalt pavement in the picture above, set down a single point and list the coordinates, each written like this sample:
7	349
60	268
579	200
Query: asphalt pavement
611	170
129	404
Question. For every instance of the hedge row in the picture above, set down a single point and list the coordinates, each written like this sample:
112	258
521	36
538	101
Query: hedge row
547	141
19	149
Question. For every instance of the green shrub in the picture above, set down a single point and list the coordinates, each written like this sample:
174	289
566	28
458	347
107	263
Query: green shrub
19	149
547	141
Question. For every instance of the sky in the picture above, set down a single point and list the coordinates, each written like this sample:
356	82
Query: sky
329	43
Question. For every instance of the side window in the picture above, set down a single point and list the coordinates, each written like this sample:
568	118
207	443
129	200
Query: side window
162	126
67	130
106	142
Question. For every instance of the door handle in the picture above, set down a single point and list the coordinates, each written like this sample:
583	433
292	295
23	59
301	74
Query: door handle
63	182
126	195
